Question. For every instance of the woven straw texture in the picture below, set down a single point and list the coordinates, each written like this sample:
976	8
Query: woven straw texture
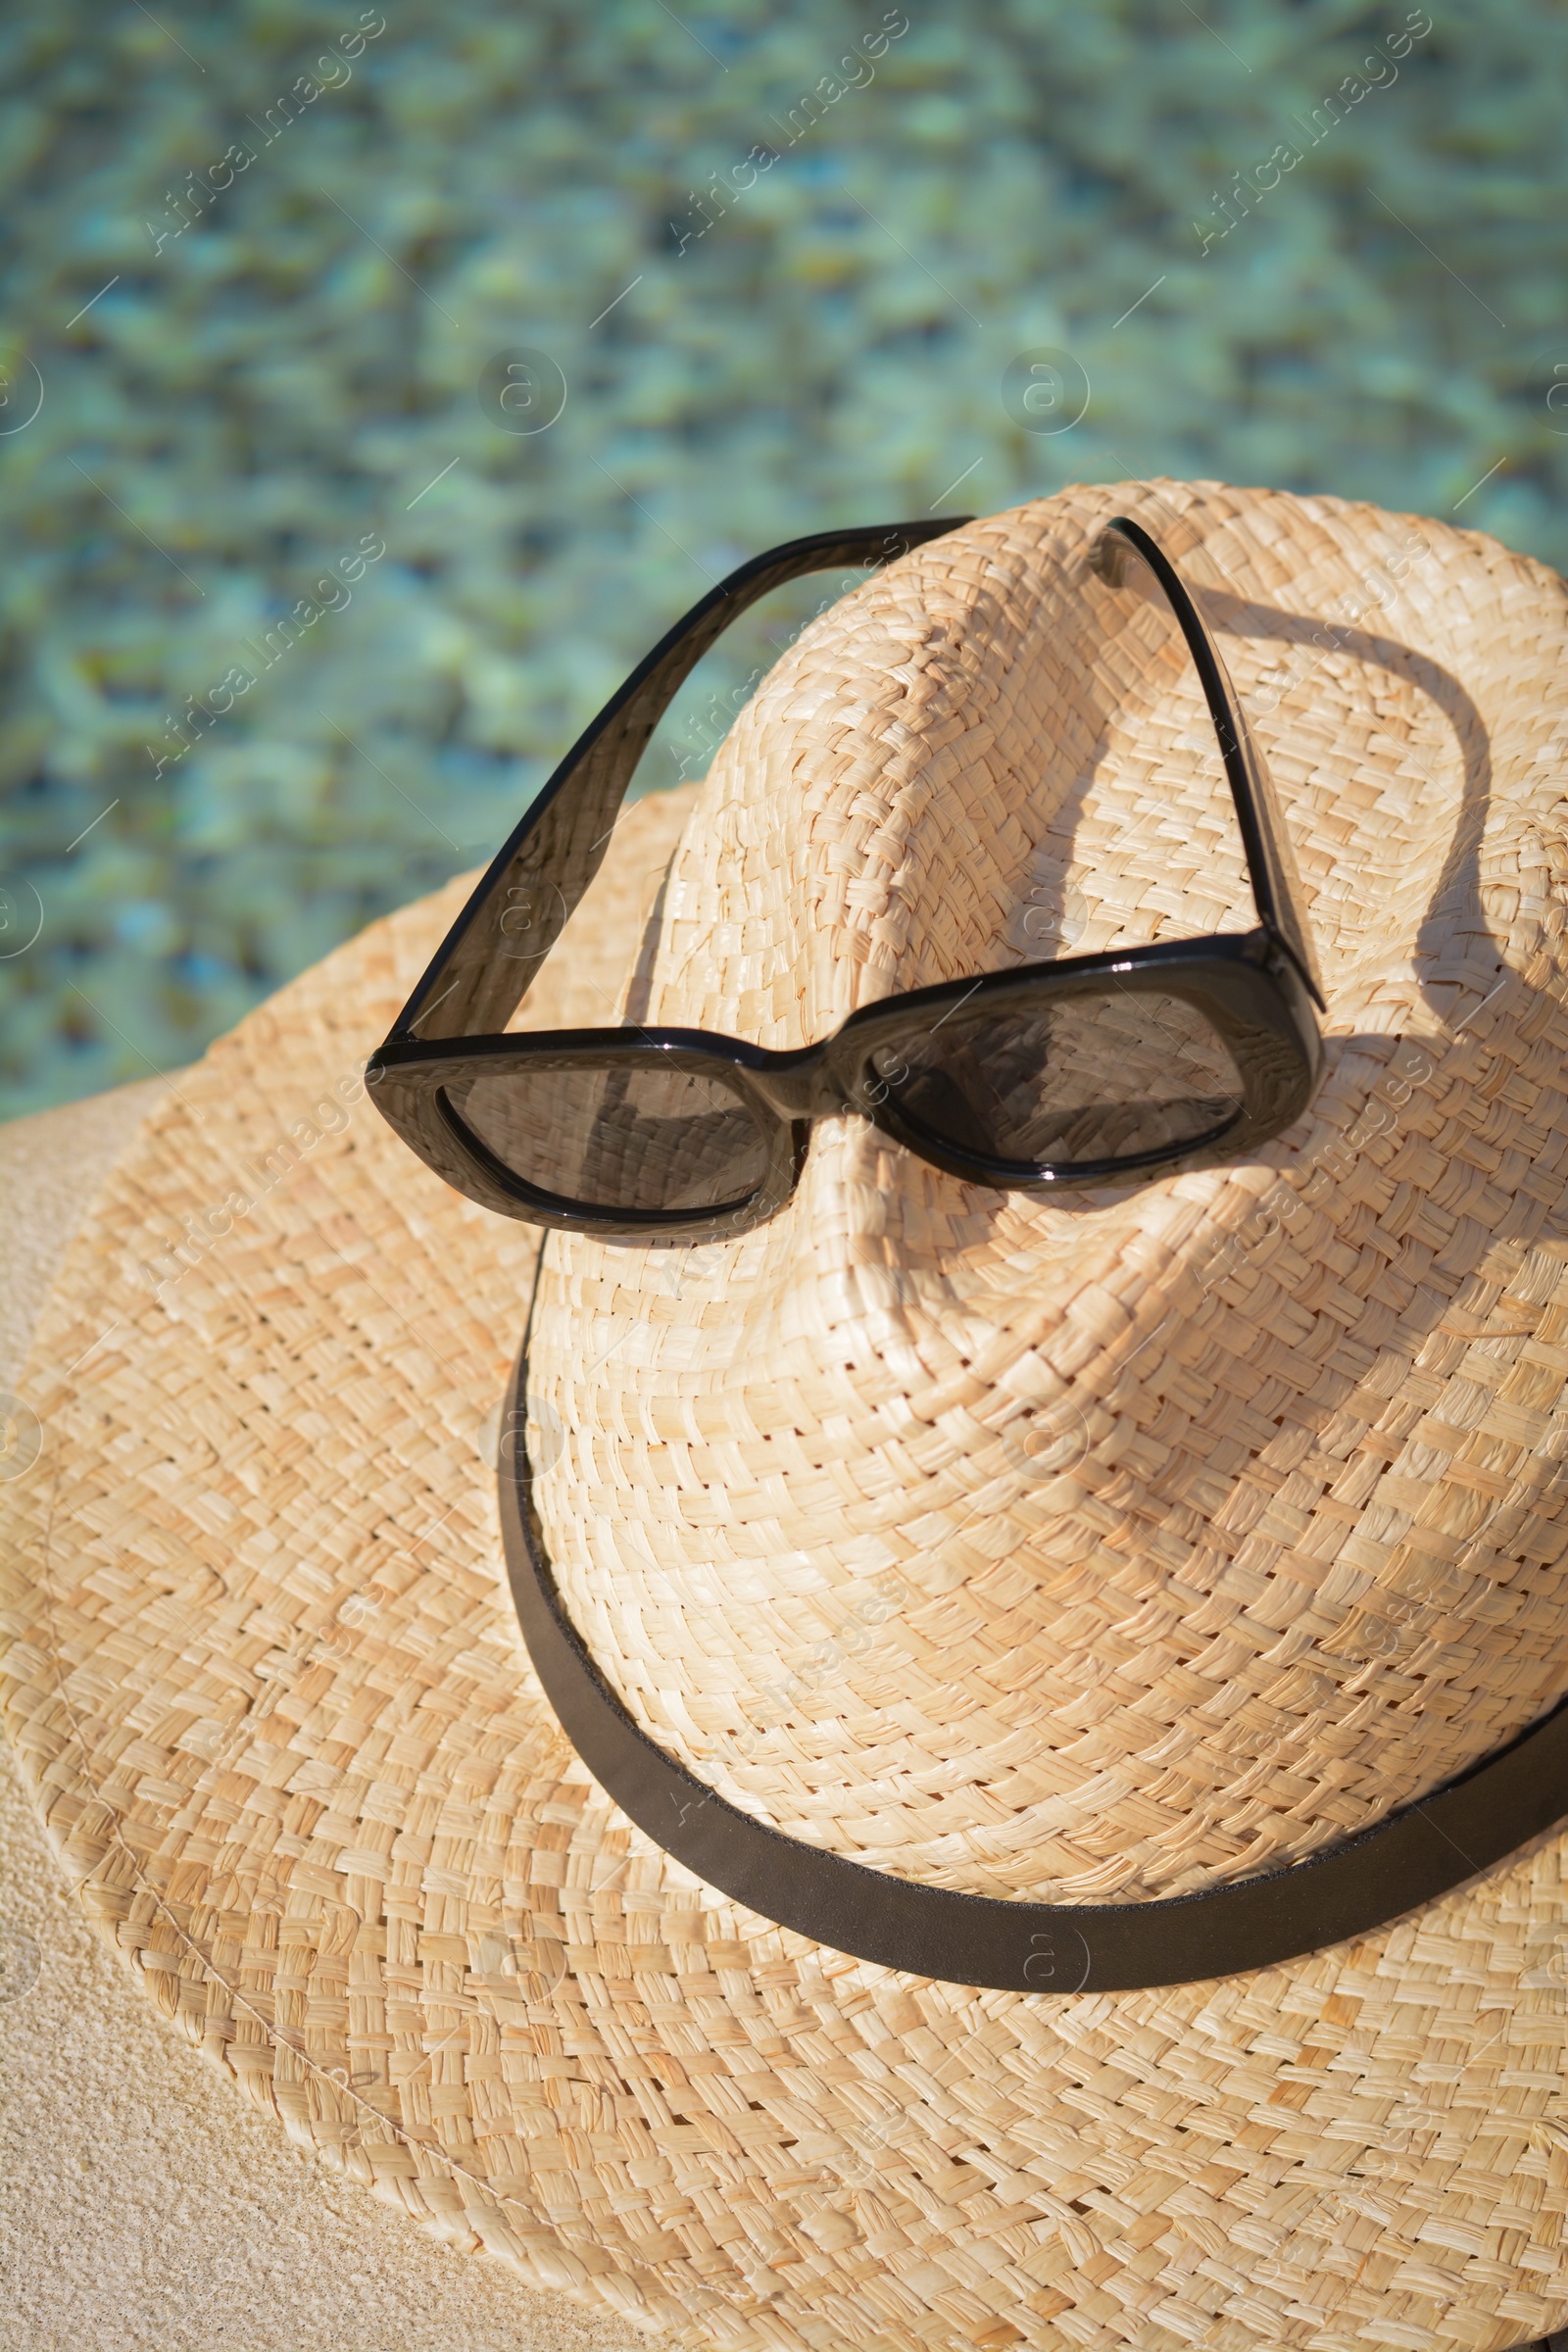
1095	1551
1185	1528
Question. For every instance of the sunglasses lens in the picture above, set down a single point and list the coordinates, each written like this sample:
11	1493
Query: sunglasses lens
638	1141
1079	1079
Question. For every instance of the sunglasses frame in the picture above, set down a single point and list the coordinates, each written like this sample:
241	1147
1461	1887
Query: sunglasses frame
1258	988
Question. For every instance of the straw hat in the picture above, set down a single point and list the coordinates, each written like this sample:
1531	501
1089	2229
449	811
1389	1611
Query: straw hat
1086	1552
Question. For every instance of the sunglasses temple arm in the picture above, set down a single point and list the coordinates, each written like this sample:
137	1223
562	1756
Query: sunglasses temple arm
489	957
1245	769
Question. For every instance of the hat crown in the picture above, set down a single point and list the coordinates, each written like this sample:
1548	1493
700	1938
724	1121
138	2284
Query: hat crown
1112	1547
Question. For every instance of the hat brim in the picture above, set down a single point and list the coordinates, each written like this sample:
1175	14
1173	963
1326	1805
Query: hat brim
266	1677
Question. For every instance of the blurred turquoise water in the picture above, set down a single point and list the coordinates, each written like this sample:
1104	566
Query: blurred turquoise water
276	376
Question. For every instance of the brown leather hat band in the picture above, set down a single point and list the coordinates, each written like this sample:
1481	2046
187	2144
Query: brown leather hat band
1405	1861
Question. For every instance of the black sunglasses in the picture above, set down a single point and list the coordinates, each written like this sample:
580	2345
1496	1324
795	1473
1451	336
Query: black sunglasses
1083	1071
